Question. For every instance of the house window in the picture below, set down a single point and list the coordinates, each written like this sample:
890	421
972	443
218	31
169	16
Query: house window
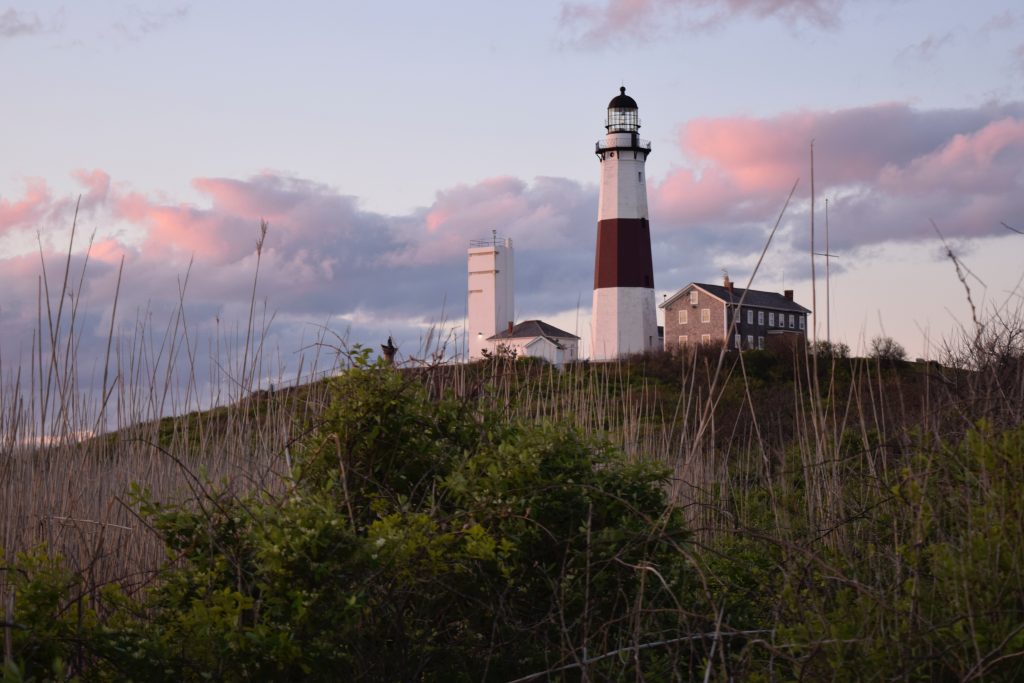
760	343
750	341
792	321
684	340
771	320
760	317
705	339
705	315
693	298
750	316
802	320
738	341
683	317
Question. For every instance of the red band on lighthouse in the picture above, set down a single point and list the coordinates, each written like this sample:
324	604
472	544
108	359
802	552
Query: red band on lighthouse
623	254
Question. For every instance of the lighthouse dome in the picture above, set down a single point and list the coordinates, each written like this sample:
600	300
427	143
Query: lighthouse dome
622	100
622	114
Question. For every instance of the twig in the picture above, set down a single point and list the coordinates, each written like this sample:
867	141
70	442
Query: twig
635	648
960	269
90	521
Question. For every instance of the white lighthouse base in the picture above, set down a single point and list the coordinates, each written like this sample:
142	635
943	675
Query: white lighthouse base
623	321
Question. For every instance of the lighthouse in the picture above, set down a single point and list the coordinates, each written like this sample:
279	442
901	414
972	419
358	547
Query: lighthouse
623	317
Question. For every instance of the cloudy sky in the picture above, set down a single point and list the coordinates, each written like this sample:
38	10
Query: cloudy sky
378	138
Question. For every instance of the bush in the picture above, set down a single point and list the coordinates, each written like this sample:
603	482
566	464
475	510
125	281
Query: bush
829	350
888	349
422	540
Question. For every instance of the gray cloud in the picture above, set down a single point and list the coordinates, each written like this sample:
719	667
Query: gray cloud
927	49
139	23
14	23
614	21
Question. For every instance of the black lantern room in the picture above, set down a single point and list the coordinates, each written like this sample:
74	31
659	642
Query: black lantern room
622	114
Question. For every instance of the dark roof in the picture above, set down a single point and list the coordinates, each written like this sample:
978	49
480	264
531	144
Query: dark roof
622	100
533	328
755	298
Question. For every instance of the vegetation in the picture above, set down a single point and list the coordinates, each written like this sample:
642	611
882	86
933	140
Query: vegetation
887	348
698	515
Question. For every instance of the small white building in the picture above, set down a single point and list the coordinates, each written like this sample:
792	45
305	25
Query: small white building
537	339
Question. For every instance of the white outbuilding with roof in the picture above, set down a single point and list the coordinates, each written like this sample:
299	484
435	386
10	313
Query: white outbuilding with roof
538	339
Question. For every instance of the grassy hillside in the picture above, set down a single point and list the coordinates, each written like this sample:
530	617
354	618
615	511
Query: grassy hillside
674	516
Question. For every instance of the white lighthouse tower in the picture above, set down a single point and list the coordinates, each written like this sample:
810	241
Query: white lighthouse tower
491	298
623	317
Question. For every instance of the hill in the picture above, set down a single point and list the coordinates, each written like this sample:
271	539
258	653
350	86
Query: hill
749	516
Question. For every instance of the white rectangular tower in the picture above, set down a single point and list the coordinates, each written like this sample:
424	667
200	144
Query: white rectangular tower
491	300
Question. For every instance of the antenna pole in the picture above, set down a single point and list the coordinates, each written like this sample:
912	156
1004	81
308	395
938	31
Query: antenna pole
814	282
828	282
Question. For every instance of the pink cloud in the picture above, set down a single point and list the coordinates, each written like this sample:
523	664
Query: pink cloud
31	208
107	250
897	166
987	161
97	184
541	214
38	209
323	256
177	232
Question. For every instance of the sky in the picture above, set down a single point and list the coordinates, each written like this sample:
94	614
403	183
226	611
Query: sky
378	139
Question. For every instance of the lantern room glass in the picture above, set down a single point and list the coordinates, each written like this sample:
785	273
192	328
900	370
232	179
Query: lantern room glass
622	120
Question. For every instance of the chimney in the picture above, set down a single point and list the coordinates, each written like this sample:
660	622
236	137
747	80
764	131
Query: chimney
727	283
510	326
788	294
389	350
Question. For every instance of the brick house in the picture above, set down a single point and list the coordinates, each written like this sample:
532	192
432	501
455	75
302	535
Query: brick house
703	314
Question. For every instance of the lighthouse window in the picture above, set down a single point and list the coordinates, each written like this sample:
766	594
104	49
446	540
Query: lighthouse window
611	154
639	176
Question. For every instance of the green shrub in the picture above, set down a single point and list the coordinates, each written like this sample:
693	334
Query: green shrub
422	540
